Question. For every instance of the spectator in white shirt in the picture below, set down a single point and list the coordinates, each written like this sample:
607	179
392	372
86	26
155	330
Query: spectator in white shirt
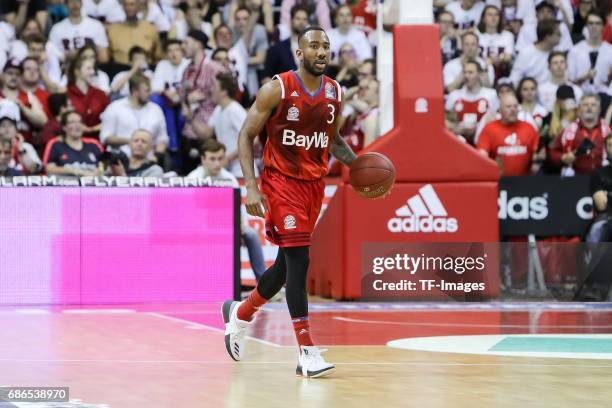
533	60
497	45
169	72
226	120
252	39
345	32
166	83
528	34
449	36
77	31
237	55
527	95
584	56
467	12
547	91
31	42
466	106
48	56
122	117
453	69
105	11
151	12
138	60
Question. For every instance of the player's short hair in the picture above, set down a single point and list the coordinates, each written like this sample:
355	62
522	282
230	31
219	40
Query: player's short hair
545	28
210	145
554	54
137	80
228	83
307	30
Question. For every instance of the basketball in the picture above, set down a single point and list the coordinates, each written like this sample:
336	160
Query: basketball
372	175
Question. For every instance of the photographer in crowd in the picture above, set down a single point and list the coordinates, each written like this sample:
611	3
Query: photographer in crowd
596	286
579	149
601	189
138	165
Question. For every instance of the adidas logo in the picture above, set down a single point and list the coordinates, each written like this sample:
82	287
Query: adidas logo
294	93
424	212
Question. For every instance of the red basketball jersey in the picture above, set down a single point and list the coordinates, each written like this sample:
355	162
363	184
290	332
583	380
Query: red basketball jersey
300	132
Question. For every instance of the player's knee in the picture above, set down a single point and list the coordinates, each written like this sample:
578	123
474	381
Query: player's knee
298	255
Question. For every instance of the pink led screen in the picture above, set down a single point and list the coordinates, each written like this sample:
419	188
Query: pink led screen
116	245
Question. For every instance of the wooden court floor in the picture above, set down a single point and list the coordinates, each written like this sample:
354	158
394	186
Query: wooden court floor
174	356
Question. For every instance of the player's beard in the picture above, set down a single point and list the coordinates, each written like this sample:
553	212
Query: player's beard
310	67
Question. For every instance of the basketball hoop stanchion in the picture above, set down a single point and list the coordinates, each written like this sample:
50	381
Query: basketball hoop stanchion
432	166
535	273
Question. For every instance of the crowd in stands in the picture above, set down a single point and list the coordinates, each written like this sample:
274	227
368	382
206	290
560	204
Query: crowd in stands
135	87
528	82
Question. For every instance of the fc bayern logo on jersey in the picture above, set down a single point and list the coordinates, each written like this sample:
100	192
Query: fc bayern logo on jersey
289	222
330	91
293	114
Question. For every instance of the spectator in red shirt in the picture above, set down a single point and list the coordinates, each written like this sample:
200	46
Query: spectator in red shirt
579	149
87	100
513	143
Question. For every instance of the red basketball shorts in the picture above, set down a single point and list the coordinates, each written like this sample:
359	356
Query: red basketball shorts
293	207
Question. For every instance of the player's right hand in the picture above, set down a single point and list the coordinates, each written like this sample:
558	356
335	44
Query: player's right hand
255	203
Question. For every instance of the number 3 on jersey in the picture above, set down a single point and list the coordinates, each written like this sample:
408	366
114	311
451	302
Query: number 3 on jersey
332	113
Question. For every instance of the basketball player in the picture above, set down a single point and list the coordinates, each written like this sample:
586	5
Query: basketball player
300	110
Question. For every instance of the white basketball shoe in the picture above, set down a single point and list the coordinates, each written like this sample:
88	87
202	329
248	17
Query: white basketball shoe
235	329
311	364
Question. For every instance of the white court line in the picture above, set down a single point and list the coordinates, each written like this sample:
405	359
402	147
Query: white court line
33	311
98	311
191	324
518	326
292	362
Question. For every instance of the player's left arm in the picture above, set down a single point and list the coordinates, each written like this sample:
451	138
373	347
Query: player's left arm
339	148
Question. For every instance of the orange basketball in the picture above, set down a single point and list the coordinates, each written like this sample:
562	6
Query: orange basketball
372	175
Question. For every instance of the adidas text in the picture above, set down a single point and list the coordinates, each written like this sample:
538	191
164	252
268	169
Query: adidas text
522	208
318	140
426	223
